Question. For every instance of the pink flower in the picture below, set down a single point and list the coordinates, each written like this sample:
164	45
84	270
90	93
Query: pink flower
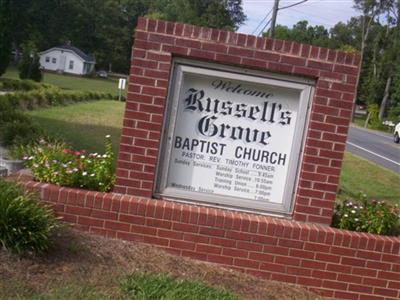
66	151
77	153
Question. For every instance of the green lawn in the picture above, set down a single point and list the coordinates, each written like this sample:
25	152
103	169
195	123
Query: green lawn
360	175
83	125
69	82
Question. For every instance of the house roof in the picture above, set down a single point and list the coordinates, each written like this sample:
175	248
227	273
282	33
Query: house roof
80	53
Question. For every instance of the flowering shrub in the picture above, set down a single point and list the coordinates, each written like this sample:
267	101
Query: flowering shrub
53	162
367	216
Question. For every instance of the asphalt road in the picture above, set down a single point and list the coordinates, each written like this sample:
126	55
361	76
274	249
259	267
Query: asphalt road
374	146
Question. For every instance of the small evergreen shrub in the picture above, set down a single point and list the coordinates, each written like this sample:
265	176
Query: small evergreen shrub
160	286
362	215
25	226
53	162
29	66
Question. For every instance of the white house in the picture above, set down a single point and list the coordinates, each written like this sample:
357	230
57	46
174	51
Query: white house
67	59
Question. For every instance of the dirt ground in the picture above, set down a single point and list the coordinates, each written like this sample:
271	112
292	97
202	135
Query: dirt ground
87	259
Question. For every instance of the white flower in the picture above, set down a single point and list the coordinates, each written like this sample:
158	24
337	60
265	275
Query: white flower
75	169
100	183
84	173
104	155
92	175
346	215
64	166
30	157
353	211
25	158
108	136
356	219
82	156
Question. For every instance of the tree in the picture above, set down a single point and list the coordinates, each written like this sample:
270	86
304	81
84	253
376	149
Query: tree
29	66
5	35
223	14
104	28
370	10
303	33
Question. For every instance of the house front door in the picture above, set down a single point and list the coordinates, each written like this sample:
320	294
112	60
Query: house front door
63	59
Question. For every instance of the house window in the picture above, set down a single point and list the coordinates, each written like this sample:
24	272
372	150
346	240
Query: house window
47	59
53	60
71	64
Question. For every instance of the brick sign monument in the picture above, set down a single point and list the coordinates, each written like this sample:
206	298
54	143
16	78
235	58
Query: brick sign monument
223	119
231	152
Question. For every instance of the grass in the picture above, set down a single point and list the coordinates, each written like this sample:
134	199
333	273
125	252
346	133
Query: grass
142	286
360	122
360	175
138	286
83	125
68	82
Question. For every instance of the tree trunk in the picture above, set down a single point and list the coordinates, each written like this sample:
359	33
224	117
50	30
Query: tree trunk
384	103
365	32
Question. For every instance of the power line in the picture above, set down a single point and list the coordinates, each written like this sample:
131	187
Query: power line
291	5
315	18
262	21
262	30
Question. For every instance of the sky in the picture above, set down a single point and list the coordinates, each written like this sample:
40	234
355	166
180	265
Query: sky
317	12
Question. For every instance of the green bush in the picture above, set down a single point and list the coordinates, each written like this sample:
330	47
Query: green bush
17	132
15	126
49	97
362	215
142	286
25	226
23	85
53	162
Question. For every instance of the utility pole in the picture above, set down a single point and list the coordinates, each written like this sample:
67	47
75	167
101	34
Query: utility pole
274	15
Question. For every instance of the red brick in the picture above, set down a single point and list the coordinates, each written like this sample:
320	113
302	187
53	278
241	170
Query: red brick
117	226
346	295
336	285
284	278
309	281
235	252
292	261
220	259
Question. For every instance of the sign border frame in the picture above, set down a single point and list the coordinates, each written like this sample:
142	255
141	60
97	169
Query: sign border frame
306	86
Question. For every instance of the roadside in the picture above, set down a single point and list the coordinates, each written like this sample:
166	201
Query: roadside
375	146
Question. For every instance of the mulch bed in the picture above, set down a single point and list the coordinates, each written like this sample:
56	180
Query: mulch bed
81	256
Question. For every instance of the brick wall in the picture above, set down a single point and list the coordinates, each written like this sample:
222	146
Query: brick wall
155	45
336	263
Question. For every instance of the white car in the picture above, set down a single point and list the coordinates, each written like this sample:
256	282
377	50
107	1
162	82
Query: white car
397	133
